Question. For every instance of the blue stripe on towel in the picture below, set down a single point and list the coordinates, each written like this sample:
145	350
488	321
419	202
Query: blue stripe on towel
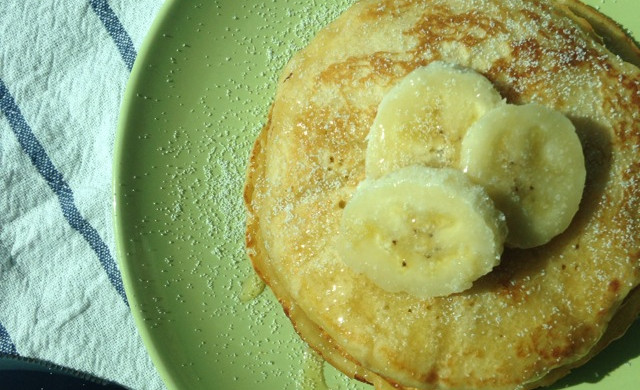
6	345
116	30
53	177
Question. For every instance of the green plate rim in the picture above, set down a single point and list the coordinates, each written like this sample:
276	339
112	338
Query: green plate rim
119	171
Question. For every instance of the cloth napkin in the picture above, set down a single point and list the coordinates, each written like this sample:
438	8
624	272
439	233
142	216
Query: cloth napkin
64	66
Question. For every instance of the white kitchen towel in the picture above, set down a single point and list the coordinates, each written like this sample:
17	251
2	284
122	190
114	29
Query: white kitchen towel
64	66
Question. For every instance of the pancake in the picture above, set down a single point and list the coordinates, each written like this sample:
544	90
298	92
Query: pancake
543	310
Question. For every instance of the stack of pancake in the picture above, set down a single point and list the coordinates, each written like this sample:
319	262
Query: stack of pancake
542	310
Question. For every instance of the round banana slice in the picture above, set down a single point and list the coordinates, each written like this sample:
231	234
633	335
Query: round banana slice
530	160
425	231
423	118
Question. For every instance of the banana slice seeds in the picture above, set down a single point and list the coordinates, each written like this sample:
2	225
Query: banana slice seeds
530	160
425	231
423	118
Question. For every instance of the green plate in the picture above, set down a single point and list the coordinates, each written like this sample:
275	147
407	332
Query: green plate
197	97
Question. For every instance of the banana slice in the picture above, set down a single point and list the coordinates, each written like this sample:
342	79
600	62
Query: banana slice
424	117
425	231
530	160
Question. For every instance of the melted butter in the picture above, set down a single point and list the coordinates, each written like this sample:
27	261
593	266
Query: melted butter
251	287
312	372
